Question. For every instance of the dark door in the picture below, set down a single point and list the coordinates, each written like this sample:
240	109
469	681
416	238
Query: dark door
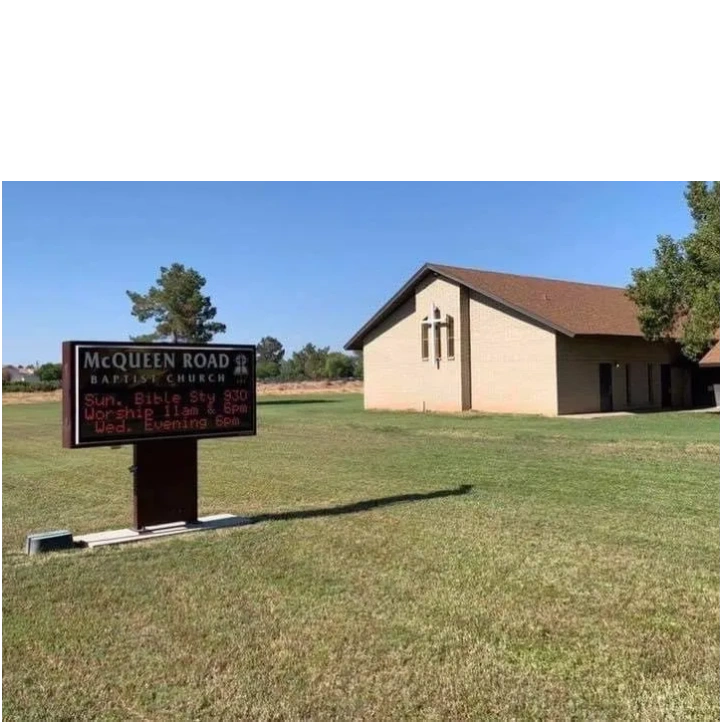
703	383
606	402
666	386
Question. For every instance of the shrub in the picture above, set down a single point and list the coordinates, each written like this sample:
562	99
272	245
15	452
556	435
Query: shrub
339	366
49	372
18	386
267	370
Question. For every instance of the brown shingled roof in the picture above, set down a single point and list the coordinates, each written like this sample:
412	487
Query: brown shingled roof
578	308
711	358
565	306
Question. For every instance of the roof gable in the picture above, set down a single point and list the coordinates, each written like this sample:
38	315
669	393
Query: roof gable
711	358
567	307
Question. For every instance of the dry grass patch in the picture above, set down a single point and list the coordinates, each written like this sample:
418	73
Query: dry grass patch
268	389
38	397
657	449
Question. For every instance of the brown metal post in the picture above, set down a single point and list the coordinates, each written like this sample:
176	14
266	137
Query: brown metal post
165	482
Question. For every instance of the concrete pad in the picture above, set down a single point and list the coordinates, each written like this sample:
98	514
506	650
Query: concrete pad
597	415
644	412
124	536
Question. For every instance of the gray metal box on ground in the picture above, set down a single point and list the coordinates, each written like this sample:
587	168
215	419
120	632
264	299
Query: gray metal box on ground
48	541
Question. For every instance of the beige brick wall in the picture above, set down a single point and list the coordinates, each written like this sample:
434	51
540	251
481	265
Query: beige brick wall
395	377
514	365
513	361
578	362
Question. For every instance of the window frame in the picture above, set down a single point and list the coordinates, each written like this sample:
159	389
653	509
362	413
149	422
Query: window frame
450	338
437	335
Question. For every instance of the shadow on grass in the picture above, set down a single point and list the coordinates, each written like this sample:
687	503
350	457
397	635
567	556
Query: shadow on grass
269	402
360	505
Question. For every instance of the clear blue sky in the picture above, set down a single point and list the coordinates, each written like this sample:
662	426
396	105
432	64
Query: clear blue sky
301	262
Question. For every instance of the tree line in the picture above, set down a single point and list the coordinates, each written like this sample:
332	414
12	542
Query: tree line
309	363
46	373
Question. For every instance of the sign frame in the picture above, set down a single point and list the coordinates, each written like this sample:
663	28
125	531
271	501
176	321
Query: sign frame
71	393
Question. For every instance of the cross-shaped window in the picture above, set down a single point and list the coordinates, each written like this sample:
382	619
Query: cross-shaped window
431	326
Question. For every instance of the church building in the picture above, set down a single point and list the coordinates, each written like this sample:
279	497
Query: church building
457	339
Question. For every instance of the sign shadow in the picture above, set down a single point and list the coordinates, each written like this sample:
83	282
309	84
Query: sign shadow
359	506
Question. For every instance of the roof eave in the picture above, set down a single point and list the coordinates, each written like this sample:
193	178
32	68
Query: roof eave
709	360
355	343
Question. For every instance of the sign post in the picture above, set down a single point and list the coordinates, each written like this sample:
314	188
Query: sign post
165	482
161	398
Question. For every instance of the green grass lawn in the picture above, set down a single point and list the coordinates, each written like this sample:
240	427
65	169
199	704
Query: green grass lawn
577	577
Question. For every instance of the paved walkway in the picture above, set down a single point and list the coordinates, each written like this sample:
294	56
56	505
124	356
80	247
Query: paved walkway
612	414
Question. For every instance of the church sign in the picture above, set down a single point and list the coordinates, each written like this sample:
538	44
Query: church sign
126	393
161	398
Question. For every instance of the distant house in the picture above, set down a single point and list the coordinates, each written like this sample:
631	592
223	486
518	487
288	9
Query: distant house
24	374
453	339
